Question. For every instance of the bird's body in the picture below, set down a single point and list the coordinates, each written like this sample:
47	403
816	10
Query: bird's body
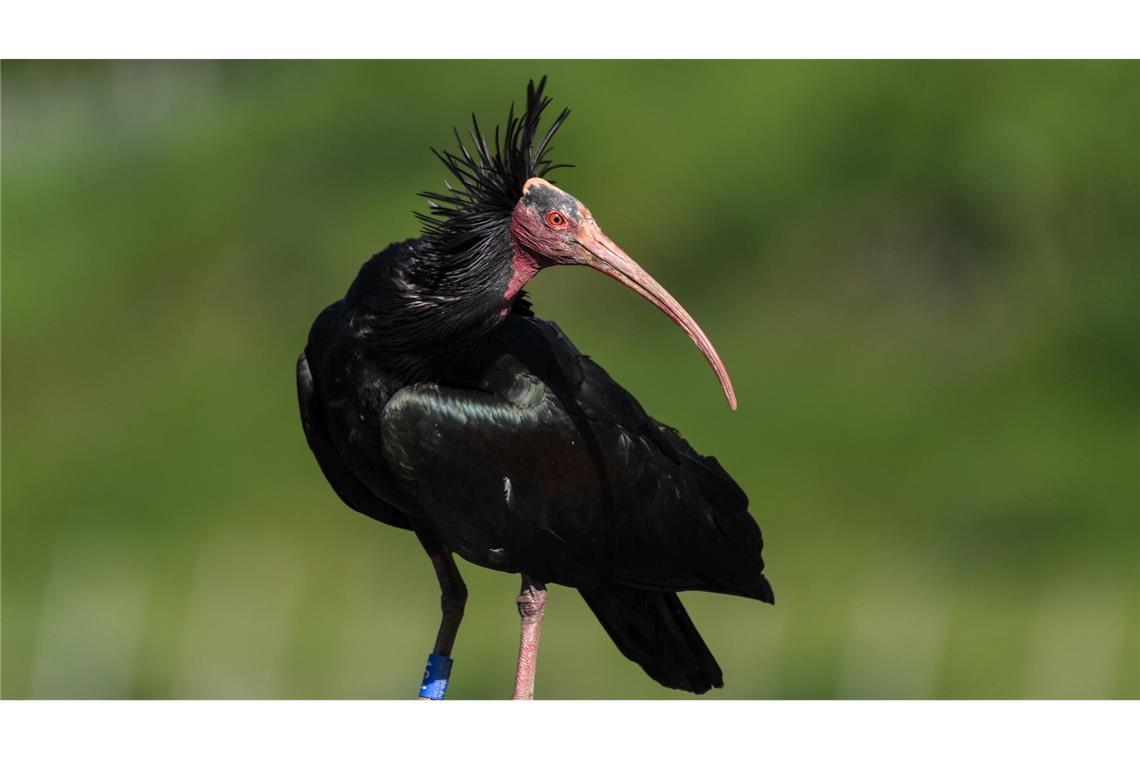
435	401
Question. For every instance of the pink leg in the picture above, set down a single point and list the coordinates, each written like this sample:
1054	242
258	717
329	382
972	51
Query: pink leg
532	605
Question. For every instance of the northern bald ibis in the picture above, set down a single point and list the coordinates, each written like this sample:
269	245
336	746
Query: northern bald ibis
436	401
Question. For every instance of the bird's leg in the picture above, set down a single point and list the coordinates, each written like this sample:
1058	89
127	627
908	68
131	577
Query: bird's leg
452	601
532	605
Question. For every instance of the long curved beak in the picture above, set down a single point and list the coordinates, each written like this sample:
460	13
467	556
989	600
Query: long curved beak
603	254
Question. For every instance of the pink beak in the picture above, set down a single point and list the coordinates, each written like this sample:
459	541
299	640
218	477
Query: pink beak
605	256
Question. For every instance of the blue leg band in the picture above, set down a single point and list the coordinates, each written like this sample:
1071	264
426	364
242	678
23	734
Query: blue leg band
435	676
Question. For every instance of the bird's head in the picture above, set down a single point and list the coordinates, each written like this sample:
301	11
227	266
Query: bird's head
549	226
502	196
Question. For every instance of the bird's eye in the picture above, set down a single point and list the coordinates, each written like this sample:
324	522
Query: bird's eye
555	219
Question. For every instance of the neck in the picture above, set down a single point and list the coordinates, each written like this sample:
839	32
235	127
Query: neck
422	308
524	266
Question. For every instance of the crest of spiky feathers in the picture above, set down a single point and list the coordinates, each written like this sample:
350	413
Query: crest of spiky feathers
489	177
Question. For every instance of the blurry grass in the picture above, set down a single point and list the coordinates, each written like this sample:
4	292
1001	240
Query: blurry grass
922	277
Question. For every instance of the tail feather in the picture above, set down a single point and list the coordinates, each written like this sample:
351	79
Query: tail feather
654	630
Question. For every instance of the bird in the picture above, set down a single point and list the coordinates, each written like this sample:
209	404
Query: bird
436	401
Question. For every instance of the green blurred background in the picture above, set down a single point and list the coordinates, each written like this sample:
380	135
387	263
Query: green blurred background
922	276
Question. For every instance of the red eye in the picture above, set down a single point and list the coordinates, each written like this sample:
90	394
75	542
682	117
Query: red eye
555	219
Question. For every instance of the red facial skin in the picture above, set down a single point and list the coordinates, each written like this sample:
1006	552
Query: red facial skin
542	236
537	243
524	267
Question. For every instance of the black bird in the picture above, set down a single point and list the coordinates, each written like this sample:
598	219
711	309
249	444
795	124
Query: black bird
436	401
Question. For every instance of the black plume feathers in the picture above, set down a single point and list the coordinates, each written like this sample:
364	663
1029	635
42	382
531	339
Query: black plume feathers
473	212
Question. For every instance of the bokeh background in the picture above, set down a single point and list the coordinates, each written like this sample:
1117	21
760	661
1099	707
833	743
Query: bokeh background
923	277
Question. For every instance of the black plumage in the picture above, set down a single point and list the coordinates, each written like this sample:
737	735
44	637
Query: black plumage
488	183
435	401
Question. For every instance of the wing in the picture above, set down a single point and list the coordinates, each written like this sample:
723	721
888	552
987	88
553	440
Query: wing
350	489
549	467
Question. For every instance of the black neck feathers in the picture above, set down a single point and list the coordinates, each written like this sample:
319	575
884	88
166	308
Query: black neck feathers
420	318
426	301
